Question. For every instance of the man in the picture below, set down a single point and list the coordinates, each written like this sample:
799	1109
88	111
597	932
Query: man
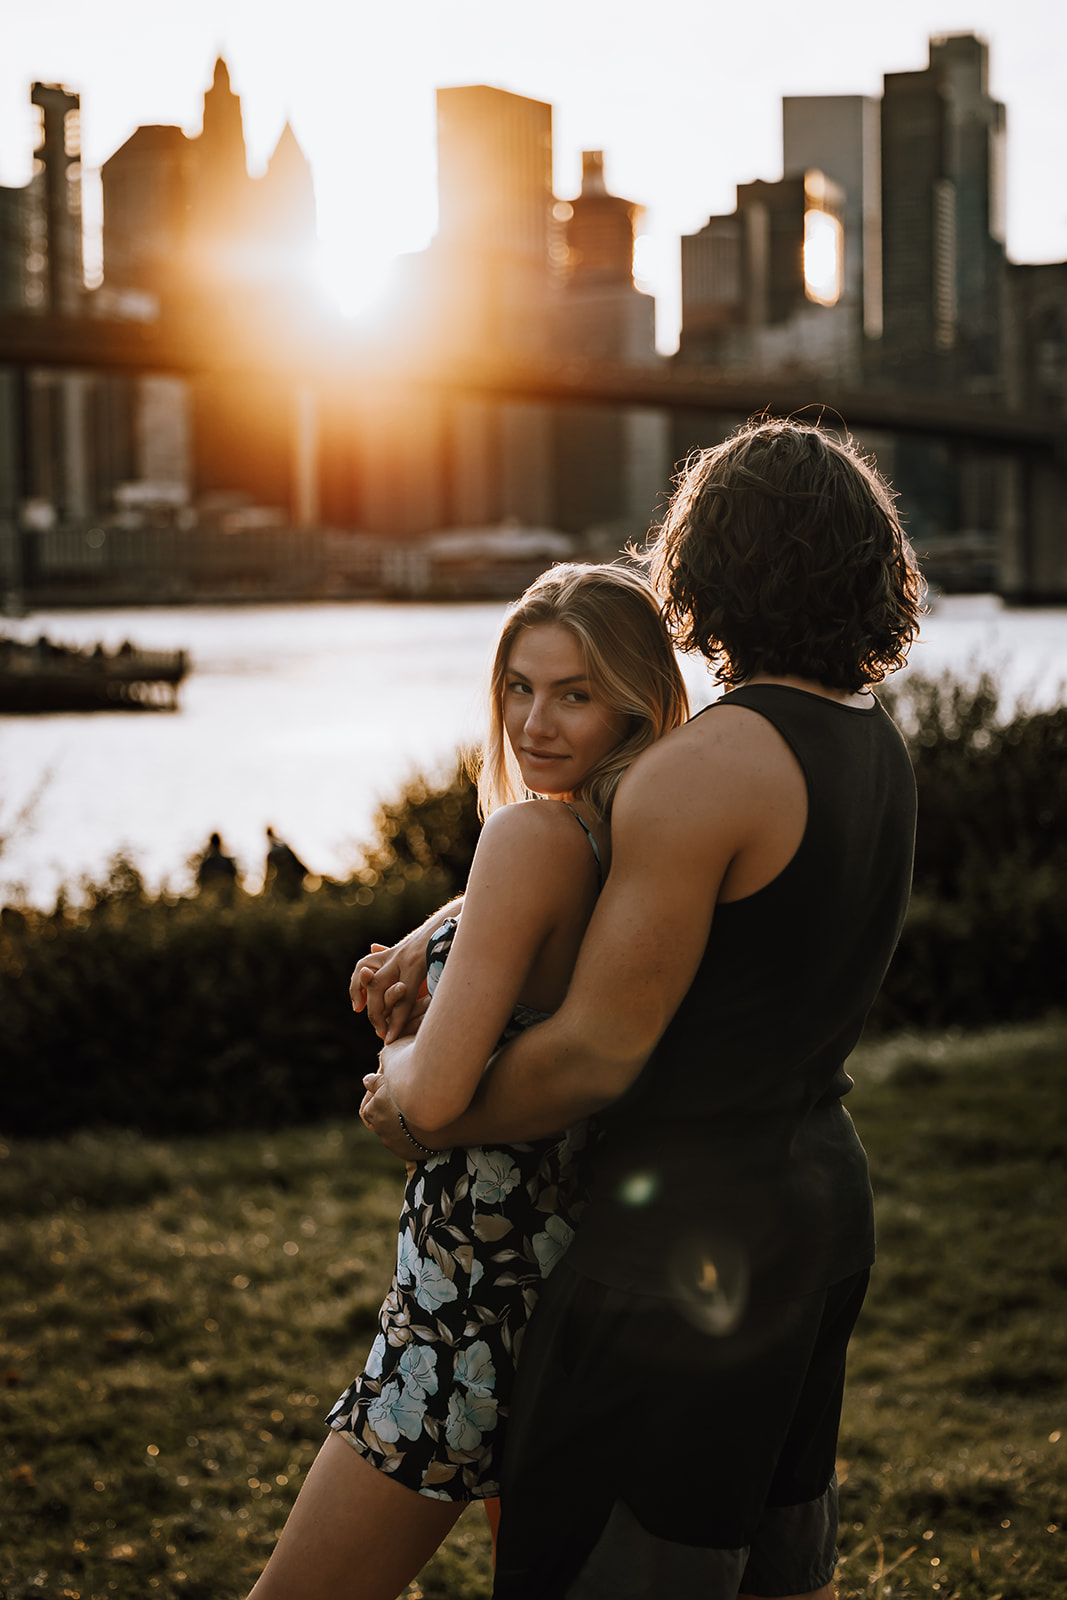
216	872
675	1423
284	872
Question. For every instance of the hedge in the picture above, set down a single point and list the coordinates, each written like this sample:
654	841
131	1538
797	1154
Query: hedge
181	1016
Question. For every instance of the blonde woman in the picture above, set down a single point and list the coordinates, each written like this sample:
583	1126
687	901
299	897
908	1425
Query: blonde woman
583	679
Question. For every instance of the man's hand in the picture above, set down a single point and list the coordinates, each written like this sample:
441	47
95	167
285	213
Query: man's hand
379	1114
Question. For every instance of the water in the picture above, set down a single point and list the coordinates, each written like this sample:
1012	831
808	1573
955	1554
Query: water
306	716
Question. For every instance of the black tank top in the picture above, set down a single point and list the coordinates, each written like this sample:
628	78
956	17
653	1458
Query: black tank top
731	1159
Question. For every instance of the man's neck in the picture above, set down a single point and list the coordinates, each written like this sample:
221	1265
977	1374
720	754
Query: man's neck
809	686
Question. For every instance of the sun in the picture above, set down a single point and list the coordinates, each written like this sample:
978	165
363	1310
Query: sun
353	280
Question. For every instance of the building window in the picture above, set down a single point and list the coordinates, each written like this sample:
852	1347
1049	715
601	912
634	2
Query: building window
823	246
945	309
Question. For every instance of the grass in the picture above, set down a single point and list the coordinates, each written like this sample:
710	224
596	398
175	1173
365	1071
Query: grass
178	1316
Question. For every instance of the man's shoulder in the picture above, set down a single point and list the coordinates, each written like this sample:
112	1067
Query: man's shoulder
711	748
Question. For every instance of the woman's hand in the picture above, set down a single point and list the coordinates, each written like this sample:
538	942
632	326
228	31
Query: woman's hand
379	1114
388	983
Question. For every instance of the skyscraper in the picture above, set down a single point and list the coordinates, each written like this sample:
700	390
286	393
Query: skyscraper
480	292
494	173
762	287
44	465
612	464
187	229
483	283
40	223
599	229
147	186
182	217
943	218
840	135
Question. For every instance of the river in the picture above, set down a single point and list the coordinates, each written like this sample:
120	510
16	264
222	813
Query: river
307	716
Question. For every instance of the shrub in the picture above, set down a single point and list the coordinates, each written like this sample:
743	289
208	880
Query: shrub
428	833
185	1016
189	1016
986	934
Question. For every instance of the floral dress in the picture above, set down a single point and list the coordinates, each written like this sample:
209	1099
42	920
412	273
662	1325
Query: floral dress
479	1229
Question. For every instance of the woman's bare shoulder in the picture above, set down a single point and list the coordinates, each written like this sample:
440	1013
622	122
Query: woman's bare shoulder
534	824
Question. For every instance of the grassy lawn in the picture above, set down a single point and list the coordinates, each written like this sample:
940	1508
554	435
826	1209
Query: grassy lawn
178	1316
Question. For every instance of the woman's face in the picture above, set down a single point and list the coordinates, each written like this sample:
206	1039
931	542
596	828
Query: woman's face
557	730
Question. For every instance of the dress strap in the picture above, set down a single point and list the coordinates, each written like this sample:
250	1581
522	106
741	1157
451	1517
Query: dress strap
589	835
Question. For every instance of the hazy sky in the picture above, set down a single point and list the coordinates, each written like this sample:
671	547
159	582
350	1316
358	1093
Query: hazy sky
684	96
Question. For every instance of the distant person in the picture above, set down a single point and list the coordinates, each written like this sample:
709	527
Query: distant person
216	872
285	872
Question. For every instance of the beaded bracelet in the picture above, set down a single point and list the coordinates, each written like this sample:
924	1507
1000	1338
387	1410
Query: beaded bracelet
425	1148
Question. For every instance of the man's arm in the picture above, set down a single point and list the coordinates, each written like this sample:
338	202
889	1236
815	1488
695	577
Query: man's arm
684	811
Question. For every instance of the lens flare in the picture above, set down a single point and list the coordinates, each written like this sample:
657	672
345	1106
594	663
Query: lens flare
639	1189
711	1280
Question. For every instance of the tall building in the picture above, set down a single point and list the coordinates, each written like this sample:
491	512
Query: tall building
840	135
186	229
147	193
183	219
943	219
612	464
45	468
483	283
41	265
480	292
599	228
762	288
494	173
600	313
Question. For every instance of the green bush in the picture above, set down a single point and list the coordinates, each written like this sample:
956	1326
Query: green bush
992	789
221	1010
986	935
428	834
190	1015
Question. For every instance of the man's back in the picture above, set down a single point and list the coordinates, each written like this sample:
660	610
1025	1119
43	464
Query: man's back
736	1118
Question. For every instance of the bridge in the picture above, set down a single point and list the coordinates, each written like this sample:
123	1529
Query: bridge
309	352
314	352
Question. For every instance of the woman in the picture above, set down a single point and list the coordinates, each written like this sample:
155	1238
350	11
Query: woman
584	678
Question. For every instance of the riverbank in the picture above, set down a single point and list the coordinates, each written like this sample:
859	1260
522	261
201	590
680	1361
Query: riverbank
181	1314
306	716
223	1009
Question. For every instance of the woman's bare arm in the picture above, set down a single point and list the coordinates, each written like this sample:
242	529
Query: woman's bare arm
533	876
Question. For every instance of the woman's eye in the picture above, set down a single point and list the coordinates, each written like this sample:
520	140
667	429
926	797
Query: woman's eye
576	697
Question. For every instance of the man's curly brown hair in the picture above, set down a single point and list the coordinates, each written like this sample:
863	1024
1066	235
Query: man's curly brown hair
782	553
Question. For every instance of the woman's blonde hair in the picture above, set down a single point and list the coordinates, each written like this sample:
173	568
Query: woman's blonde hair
614	615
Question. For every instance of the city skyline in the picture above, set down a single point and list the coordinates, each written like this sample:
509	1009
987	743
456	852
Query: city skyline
676	142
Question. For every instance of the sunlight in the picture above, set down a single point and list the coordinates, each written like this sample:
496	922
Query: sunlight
823	238
351	279
648	262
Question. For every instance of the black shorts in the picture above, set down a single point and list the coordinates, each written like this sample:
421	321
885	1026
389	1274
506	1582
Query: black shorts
627	1416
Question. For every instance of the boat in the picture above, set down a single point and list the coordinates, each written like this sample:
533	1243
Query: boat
42	676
